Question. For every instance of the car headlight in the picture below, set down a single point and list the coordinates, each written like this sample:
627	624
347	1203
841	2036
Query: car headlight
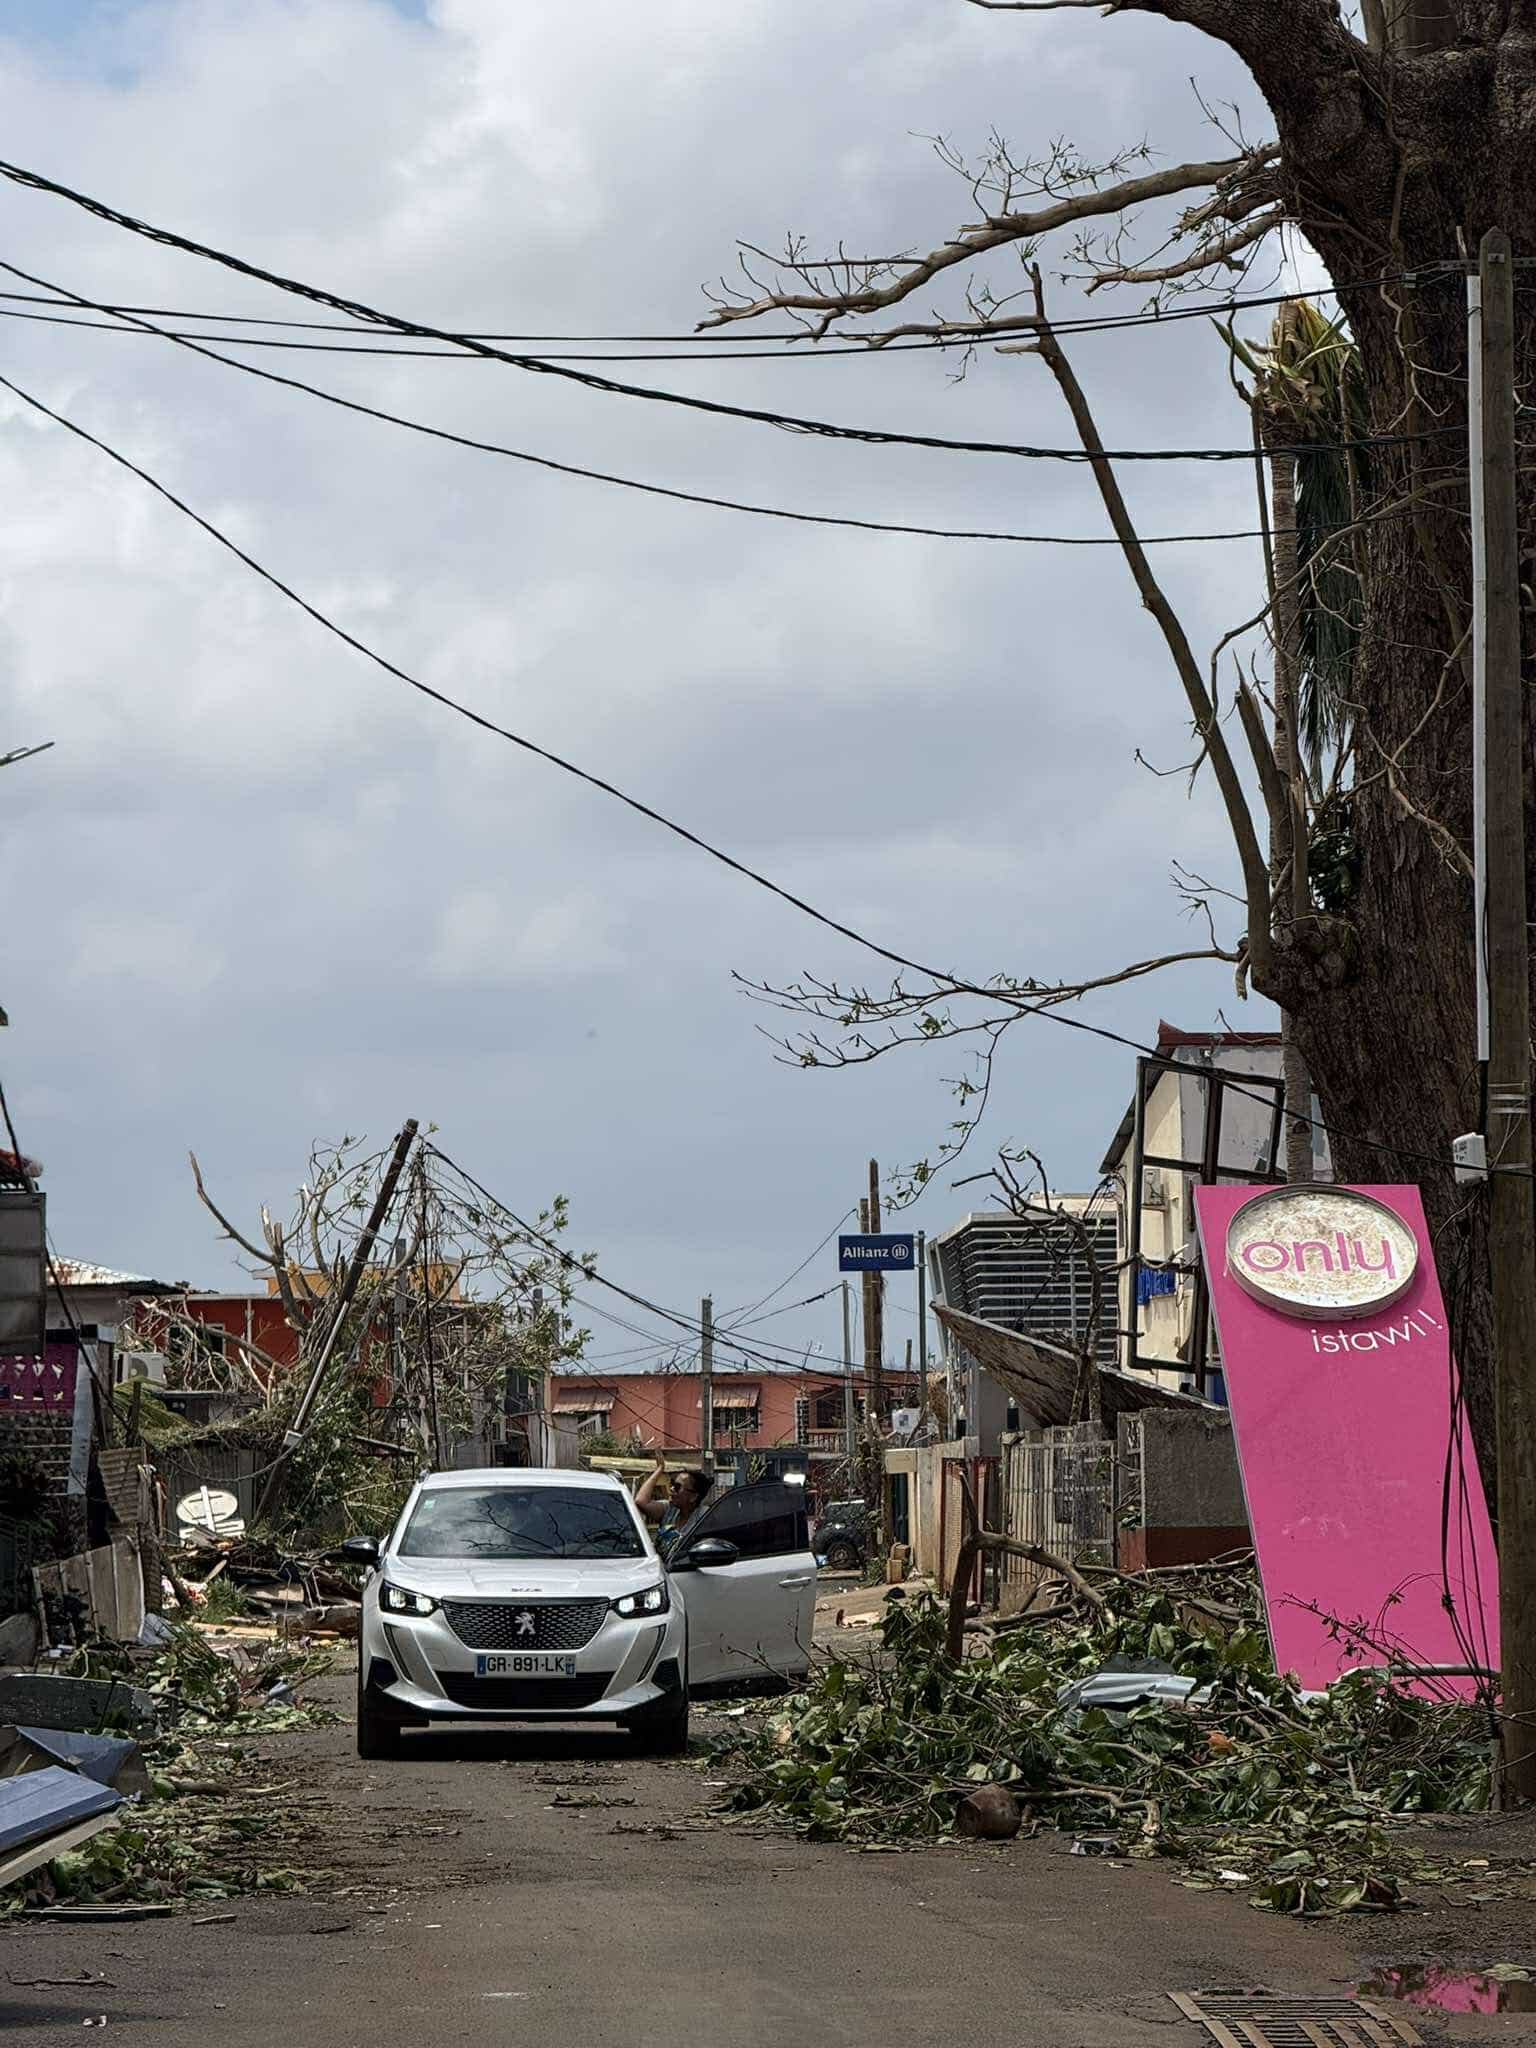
652	1600
396	1600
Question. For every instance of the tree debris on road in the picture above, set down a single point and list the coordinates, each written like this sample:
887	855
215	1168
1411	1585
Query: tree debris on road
1248	1780
211	1822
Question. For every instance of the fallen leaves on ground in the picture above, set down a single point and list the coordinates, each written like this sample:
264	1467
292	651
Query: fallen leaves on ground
215	1824
1298	1800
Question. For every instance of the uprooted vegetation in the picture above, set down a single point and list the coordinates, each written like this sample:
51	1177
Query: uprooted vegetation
1250	1783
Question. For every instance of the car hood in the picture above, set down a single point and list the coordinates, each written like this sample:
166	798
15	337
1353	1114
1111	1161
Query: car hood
544	1578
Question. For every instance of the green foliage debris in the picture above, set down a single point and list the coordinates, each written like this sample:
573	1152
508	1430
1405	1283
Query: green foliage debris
218	1820
1297	1800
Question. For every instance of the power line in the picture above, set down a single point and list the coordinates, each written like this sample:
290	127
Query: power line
747	1322
570	1259
744	344
951	984
751	1306
955	984
589	380
197	347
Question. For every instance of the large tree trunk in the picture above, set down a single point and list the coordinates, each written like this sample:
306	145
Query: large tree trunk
1401	169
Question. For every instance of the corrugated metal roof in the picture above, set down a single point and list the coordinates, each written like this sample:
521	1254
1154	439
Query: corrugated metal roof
1042	1376
81	1273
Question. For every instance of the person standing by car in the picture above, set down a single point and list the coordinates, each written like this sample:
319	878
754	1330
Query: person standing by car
685	1496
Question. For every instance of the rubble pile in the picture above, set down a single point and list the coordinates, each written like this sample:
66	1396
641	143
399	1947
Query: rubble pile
201	1817
1143	1713
242	1577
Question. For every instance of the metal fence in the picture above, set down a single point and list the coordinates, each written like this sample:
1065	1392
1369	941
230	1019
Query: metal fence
19	1551
1058	1491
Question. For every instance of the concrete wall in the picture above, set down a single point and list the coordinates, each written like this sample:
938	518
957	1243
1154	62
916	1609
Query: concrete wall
1192	1504
924	1467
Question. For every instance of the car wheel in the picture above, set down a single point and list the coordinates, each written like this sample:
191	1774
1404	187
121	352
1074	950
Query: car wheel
842	1557
378	1733
662	1729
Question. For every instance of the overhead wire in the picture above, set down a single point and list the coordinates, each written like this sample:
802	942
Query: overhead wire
690	401
950	984
737	345
759	1351
676	493
790	1278
357	308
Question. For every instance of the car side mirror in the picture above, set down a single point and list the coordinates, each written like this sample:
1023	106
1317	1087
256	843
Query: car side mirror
709	1550
362	1550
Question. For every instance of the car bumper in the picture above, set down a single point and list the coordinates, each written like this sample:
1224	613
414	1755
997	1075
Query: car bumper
418	1667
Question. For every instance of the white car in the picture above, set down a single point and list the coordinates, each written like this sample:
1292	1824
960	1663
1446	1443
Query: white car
539	1595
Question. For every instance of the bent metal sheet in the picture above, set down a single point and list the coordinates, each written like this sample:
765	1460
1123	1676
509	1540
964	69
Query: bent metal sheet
1339	1373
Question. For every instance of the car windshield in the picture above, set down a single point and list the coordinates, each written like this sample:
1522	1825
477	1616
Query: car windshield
521	1521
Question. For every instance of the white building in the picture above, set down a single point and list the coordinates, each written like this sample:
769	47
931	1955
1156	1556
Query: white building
1039	1279
1165	1146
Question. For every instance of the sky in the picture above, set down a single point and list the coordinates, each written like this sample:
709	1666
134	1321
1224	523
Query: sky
259	895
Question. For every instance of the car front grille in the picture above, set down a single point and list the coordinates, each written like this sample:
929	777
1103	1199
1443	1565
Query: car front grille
525	1624
521	1695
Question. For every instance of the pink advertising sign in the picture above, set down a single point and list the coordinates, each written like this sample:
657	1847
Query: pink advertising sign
1339	1375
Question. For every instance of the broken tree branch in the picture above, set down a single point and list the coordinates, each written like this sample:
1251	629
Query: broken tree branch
1250	854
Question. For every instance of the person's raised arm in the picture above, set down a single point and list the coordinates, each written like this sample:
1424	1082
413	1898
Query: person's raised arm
645	1495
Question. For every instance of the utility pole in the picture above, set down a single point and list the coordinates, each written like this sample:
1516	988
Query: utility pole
539	1423
350	1282
874	1371
849	1431
922	1328
1511	1212
707	1376
426	1316
874	1317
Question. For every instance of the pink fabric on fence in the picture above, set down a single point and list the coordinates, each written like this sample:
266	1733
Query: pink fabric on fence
1343	1429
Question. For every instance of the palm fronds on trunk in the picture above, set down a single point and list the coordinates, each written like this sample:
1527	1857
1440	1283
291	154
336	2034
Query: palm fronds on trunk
1308	389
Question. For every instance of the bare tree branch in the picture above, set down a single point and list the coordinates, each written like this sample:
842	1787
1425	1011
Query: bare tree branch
1223	250
998	232
263	1257
1250	854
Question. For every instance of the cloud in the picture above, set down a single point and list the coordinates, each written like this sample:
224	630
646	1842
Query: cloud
259	892
498	941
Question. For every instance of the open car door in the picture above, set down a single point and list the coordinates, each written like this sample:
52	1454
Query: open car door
746	1577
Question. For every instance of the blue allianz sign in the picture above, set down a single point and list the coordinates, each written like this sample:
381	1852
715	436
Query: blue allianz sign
887	1253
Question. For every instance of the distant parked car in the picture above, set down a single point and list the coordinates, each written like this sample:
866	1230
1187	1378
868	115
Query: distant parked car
844	1536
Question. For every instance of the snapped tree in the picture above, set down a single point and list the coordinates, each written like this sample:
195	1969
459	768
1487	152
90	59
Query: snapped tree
1400	136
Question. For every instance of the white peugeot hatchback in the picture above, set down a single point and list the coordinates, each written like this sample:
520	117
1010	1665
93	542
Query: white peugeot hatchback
538	1595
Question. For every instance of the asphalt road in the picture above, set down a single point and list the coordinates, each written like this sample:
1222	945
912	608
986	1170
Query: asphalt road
467	1905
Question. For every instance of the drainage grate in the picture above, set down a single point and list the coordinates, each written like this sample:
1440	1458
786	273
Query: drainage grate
1261	2019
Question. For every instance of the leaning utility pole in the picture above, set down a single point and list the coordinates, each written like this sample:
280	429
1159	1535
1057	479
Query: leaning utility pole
707	1376
342	1302
1511	1211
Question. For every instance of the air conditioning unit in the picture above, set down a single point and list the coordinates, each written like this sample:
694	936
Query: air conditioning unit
1154	1189
141	1365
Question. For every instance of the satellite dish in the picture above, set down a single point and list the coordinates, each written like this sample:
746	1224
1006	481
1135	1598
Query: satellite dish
211	1509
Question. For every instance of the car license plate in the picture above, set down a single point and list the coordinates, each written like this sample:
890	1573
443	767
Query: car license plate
526	1665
